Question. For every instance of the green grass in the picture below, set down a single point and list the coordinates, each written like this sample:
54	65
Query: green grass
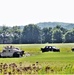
35	48
65	55
55	60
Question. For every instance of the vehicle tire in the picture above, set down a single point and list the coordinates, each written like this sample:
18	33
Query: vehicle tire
16	55
0	56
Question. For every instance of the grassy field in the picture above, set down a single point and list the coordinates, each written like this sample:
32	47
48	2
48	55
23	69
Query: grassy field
59	62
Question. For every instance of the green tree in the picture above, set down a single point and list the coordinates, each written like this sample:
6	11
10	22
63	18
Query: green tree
61	28
16	32
31	34
47	35
69	36
5	35
57	36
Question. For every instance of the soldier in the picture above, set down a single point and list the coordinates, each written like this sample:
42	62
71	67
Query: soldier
7	47
11	47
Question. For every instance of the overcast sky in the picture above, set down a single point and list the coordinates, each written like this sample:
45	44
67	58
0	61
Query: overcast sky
23	12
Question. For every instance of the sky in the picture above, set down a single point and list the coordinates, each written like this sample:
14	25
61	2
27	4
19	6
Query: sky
24	12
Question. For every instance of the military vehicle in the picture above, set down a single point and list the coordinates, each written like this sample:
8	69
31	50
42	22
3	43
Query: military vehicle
50	48
10	51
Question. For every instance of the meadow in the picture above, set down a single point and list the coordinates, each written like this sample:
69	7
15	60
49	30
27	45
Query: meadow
44	63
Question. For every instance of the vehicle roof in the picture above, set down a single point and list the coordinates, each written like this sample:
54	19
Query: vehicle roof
49	46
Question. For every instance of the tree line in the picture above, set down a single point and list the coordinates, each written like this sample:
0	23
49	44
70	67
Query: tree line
32	33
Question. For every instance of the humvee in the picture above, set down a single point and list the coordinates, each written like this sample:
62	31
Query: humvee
50	48
10	51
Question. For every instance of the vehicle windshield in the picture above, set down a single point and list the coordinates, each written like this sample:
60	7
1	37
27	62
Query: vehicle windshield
17	48
46	46
54	47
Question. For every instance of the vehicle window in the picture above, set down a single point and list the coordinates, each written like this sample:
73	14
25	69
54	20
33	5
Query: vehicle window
4	51
53	47
49	47
17	48
46	47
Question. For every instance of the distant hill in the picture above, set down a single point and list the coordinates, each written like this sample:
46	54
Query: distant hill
51	24
54	24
